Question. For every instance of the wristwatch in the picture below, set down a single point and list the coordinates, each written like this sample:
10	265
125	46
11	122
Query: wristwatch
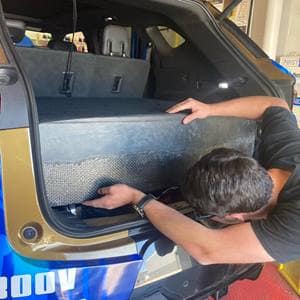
139	207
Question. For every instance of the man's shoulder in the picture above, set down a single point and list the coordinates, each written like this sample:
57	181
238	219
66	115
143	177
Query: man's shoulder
278	114
278	139
279	233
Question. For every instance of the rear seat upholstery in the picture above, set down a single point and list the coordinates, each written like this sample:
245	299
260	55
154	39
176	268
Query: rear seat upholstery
94	75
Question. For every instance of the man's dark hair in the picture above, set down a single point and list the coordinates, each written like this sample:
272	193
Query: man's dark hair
227	181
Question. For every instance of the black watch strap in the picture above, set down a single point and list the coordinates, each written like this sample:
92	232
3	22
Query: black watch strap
139	207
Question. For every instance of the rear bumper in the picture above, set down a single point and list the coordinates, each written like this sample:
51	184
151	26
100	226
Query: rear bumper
198	282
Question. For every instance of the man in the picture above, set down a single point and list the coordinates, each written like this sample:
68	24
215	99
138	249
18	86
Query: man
233	188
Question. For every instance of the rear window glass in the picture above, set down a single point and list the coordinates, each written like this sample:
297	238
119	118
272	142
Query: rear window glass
172	37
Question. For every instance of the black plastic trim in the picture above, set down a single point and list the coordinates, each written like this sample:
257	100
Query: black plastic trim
242	36
237	53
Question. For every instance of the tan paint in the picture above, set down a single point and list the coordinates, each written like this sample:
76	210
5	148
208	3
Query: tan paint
3	59
22	207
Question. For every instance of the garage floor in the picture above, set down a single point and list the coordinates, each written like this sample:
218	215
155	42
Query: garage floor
269	286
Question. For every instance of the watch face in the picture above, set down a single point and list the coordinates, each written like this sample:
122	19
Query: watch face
139	210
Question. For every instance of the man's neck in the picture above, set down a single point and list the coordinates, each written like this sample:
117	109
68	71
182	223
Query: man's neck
279	178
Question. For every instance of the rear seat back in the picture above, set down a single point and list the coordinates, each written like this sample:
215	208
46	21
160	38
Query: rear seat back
93	75
116	41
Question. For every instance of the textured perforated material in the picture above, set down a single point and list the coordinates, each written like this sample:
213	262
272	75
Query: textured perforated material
148	151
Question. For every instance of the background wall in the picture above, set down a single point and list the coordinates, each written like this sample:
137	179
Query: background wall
289	37
257	27
275	26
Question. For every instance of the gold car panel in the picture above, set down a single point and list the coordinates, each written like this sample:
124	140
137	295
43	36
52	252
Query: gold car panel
23	214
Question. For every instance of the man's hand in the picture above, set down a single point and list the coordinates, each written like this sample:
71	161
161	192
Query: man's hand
251	108
199	110
115	196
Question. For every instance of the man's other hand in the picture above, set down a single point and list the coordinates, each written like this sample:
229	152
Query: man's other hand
115	196
198	109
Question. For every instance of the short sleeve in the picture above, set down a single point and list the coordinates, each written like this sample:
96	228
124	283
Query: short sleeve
279	234
279	147
279	139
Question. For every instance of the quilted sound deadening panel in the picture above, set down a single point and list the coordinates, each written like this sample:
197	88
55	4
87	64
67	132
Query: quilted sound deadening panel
141	145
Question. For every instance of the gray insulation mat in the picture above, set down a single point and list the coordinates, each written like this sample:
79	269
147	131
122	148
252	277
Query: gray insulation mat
126	140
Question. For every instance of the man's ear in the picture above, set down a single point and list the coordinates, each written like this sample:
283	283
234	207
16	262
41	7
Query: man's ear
237	216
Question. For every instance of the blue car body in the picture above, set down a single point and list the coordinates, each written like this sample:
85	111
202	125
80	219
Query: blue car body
25	278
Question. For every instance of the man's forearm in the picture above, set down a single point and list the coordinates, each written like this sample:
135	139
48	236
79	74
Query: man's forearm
251	107
192	236
234	244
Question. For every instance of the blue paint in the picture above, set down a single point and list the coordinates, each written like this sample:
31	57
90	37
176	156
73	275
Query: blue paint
110	279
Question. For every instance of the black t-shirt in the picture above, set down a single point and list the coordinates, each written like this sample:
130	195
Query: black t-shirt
279	147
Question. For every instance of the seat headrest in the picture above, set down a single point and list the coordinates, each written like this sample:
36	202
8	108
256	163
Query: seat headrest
116	41
61	45
16	30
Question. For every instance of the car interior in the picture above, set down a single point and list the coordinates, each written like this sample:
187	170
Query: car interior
102	114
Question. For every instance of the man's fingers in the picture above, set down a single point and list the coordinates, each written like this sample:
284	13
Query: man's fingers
179	107
104	190
188	119
92	203
103	202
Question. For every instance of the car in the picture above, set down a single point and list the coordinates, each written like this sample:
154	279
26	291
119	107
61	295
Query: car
76	117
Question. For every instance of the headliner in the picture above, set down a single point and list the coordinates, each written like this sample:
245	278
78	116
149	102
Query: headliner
56	15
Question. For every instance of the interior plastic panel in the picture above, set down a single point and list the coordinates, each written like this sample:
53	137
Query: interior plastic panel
92	75
89	143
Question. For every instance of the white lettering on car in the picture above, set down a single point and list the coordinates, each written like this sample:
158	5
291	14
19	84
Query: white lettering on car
20	286
3	288
43	283
67	279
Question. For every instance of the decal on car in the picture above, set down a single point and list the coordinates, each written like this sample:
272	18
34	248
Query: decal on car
22	278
